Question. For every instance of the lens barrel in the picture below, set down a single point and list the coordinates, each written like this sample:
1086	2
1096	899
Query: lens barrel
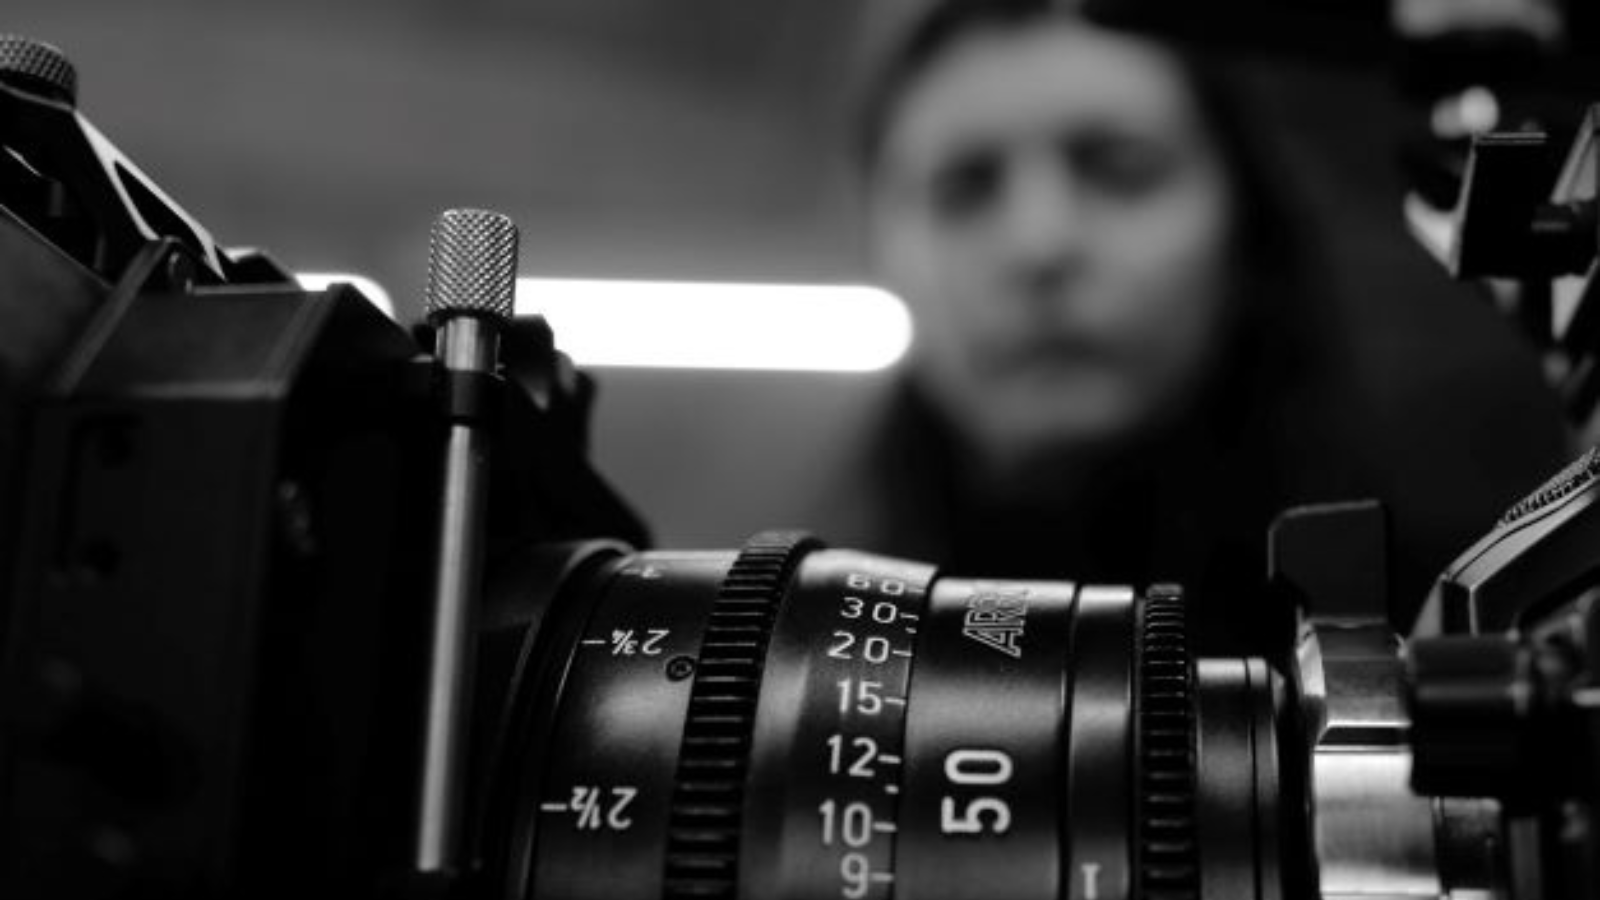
792	721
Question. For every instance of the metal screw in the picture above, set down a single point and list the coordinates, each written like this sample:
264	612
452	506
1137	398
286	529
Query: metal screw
180	272
680	667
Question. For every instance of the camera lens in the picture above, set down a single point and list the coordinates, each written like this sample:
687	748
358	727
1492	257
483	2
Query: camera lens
797	721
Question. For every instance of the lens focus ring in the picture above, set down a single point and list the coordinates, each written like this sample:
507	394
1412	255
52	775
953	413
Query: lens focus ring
1168	863
703	837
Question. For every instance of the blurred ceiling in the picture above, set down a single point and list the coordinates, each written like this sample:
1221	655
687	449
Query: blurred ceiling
635	138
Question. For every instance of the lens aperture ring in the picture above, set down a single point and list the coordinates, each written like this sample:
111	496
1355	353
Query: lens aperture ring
705	817
1168	859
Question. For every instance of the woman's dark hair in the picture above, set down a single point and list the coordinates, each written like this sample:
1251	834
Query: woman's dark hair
936	30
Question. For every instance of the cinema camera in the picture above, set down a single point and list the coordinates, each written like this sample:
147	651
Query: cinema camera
268	631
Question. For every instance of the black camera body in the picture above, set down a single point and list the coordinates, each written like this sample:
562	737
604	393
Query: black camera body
215	539
220	509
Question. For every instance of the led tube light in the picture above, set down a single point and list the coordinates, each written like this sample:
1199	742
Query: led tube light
685	325
703	325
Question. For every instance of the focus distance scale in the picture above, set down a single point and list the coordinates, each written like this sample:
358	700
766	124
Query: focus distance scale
827	776
800	722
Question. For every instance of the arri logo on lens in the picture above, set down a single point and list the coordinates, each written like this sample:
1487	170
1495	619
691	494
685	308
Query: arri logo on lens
996	617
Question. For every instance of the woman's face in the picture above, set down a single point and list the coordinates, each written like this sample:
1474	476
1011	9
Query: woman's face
1051	205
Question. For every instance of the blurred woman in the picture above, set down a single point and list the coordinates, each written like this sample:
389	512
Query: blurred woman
1125	363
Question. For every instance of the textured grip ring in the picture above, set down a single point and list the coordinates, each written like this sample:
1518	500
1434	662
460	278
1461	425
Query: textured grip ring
472	264
1578	475
1167	842
707	805
37	67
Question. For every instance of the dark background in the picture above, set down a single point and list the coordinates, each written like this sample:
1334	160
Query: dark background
695	140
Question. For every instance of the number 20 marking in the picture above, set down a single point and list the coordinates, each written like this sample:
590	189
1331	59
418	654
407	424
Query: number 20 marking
874	649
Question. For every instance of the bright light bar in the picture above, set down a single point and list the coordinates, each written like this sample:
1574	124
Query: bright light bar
321	281
822	328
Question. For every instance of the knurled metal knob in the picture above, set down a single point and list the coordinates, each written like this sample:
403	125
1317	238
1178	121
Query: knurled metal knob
1577	475
472	265
38	68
